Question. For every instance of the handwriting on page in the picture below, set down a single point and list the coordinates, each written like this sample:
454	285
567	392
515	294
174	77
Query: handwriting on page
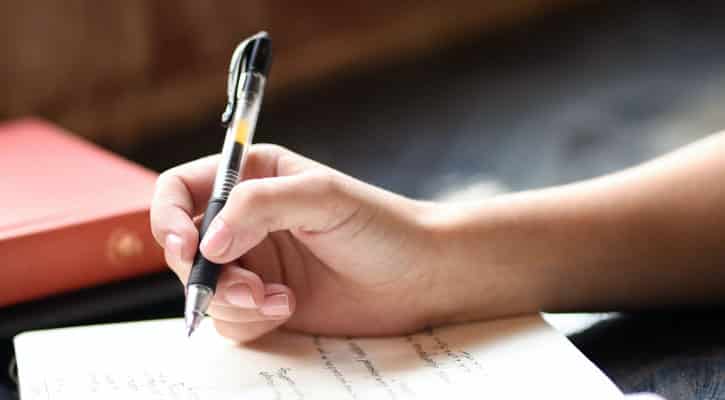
351	364
155	360
105	385
429	349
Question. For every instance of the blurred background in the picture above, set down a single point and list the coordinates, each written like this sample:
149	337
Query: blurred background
421	97
446	100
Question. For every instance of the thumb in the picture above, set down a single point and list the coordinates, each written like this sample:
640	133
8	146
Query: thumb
316	202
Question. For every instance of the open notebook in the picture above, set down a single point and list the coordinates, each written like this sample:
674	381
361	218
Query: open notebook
521	358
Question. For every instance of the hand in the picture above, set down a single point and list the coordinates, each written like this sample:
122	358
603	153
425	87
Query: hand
303	245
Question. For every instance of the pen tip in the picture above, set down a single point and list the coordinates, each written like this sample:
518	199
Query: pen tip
192	322
198	298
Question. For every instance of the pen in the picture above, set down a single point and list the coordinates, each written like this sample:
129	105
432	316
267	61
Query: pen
248	71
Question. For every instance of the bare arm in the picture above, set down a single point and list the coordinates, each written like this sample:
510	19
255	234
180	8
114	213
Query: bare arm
649	236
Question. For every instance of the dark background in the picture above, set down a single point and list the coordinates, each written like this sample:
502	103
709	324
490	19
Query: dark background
566	97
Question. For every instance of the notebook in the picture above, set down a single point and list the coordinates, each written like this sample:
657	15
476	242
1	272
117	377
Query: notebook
73	215
519	358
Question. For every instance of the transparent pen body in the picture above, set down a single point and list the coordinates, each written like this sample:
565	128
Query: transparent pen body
239	135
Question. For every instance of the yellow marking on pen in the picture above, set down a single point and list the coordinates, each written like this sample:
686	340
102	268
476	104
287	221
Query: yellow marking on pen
242	132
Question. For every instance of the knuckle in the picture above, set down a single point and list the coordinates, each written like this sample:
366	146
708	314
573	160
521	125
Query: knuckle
166	177
238	198
324	181
165	183
251	192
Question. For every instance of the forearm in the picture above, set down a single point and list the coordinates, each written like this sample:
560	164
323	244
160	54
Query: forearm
648	236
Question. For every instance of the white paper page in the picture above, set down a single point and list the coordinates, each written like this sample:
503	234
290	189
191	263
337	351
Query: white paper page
520	358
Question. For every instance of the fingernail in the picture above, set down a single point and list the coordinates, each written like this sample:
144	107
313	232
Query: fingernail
217	239
276	305
240	295
173	246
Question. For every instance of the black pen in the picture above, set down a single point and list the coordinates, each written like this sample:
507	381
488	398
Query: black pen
247	76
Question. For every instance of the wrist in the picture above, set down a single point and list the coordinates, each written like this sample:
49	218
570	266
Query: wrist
491	259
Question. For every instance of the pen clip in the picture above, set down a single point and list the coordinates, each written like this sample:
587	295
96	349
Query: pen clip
248	54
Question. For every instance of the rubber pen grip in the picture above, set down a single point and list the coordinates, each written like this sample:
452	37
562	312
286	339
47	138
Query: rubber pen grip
203	271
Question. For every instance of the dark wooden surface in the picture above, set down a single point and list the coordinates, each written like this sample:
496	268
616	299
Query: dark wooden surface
110	73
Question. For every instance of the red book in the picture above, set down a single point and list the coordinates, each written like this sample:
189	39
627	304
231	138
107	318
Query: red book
71	214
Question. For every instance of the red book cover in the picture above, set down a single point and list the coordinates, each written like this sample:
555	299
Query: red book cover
72	215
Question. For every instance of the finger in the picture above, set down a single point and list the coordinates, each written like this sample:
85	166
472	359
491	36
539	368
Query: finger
185	188
176	200
182	192
312	202
269	160
278	303
236	314
243	325
239	287
181	267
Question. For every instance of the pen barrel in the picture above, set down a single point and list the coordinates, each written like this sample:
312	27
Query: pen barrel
228	177
203	271
239	135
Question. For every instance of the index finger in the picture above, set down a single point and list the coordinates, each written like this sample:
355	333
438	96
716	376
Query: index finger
181	193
